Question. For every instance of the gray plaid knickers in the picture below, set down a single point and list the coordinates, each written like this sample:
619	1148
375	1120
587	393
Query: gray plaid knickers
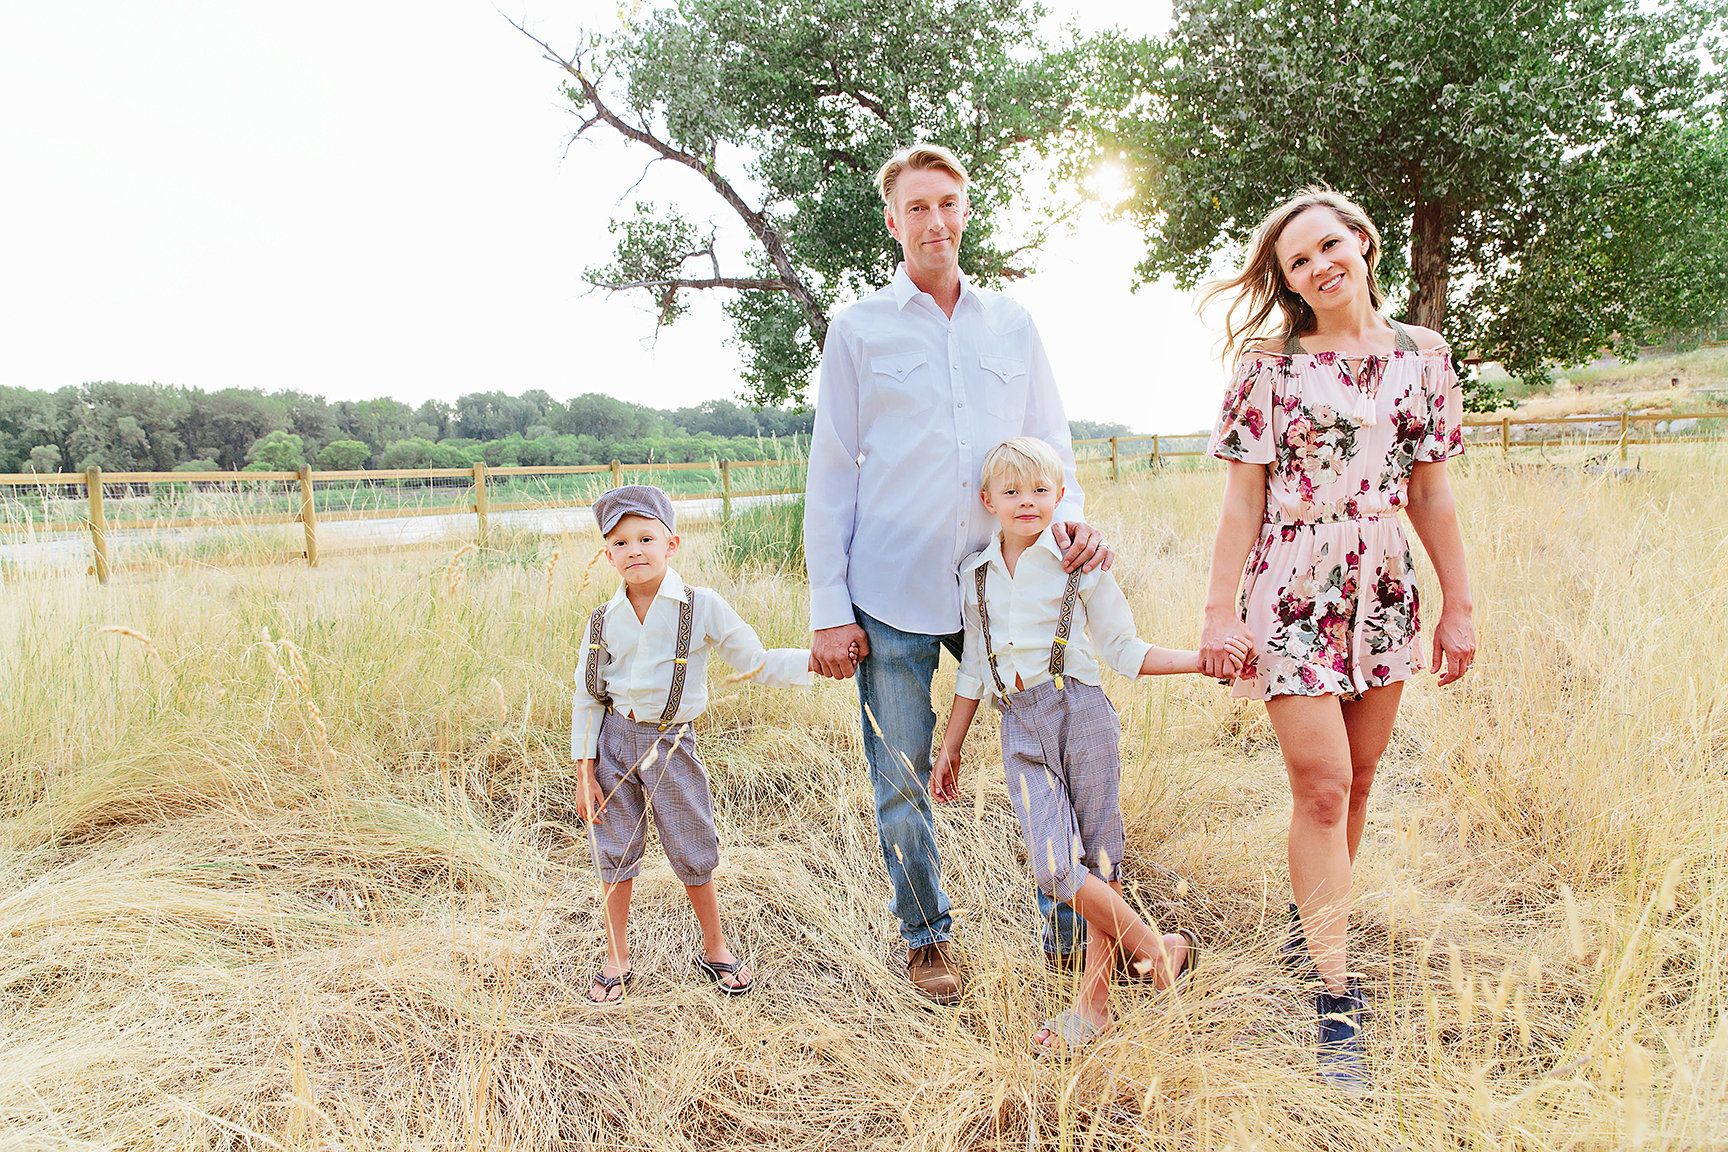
1060	753
643	769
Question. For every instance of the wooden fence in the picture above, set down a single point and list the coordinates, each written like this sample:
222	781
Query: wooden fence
1621	431
477	503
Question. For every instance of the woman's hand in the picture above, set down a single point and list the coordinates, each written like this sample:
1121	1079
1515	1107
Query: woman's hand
1225	645
1454	644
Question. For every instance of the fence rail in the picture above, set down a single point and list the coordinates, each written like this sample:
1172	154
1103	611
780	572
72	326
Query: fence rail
301	505
1617	430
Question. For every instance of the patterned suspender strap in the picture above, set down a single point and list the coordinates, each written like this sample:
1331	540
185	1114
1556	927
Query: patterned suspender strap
680	656
984	625
596	654
1064	625
1401	339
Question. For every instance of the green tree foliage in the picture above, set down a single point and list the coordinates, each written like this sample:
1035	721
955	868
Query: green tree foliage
1096	429
1628	246
1447	119
785	109
343	456
277	452
133	427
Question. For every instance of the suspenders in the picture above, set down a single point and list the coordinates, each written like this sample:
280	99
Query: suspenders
1058	649
680	656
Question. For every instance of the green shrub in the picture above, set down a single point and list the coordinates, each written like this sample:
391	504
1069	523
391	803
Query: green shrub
769	536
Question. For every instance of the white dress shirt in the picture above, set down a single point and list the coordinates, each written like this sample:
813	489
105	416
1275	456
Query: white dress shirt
908	402
638	672
1024	611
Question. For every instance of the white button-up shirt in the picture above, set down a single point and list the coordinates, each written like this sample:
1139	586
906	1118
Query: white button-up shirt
638	671
1024	610
909	401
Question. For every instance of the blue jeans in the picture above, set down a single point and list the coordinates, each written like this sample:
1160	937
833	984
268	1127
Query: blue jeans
894	691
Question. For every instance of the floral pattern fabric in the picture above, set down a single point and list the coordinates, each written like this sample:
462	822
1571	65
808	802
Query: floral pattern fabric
1329	589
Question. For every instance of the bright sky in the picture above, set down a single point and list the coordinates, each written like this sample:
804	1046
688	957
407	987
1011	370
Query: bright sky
376	199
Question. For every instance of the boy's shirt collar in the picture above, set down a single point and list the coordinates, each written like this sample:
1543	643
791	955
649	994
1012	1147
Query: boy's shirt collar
671	587
992	552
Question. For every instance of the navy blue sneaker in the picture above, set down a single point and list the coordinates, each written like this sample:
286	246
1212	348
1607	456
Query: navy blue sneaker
1341	1059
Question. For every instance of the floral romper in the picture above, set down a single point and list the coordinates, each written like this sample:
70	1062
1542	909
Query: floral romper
1329	591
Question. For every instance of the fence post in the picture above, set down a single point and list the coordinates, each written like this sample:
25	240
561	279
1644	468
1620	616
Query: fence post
1157	460
98	523
617	474
1505	435
726	489
480	497
308	516
1625	431
1115	459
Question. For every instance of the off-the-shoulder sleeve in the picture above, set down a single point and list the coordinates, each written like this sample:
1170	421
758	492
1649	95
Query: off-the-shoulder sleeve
1443	420
1245	424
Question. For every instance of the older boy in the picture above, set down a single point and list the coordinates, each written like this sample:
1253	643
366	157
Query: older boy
1043	630
640	682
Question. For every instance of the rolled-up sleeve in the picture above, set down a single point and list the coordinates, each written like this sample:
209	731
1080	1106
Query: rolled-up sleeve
831	484
738	645
586	713
1110	625
1048	421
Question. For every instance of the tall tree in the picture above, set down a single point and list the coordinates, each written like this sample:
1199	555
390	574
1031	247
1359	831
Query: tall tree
1444	118
785	108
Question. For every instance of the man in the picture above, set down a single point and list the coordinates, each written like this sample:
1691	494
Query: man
918	381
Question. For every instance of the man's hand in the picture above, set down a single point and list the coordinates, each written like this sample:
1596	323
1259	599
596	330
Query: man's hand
835	652
945	777
1082	547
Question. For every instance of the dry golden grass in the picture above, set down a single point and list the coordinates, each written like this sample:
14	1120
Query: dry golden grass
290	859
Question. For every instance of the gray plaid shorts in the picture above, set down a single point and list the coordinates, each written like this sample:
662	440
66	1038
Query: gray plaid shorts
643	769
1060	753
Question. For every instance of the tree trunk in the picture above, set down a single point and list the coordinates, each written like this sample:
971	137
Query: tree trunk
1430	262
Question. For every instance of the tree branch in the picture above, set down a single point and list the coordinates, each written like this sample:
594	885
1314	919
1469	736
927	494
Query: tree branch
756	222
742	283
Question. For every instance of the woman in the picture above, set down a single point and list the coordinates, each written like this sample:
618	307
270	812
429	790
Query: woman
1337	418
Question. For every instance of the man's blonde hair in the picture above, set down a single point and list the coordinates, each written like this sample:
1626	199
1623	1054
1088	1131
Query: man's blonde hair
917	158
1023	460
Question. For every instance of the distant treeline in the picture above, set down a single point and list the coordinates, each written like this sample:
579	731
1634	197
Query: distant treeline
155	428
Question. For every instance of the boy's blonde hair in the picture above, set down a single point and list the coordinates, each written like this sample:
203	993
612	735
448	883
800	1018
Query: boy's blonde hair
915	159
1023	460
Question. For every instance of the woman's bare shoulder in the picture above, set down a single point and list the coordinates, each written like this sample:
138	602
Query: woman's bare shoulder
1427	340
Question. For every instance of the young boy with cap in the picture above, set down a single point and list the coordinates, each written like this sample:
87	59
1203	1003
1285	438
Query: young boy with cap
1035	637
640	682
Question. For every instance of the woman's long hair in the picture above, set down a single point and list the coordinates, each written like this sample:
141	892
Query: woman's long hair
1260	288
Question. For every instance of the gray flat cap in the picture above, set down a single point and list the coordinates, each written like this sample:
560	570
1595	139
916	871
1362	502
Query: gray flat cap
633	500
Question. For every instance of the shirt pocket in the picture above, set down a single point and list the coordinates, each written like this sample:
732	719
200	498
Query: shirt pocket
898	387
1004	386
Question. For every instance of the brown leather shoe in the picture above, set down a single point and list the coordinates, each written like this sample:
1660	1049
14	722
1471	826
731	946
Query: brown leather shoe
933	972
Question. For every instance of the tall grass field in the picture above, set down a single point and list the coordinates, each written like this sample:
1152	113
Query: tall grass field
291	859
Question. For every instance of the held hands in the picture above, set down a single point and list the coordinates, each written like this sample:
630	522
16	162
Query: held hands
1082	547
1225	646
1454	644
836	652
